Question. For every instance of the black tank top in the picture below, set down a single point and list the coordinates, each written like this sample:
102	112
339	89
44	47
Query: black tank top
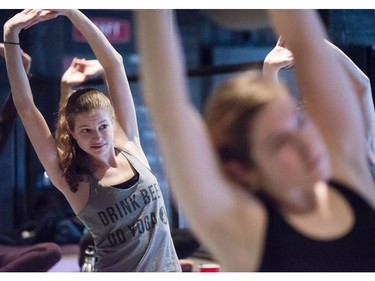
287	250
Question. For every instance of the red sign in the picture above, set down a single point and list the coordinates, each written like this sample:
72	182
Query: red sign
116	31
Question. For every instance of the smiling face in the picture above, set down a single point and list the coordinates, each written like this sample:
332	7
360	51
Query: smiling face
84	134
93	131
89	117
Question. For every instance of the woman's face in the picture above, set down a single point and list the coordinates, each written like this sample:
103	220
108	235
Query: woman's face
93	132
288	150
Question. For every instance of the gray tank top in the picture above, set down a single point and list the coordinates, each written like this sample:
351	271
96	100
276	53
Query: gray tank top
130	226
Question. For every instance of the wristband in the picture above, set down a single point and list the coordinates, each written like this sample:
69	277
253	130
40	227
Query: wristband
12	43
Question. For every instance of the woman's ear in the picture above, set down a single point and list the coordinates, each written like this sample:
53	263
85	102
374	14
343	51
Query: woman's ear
70	132
242	174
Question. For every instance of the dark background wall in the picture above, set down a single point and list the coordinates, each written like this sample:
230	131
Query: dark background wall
209	46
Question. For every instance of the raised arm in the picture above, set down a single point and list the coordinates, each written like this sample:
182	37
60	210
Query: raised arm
117	82
328	92
209	201
34	123
362	86
281	57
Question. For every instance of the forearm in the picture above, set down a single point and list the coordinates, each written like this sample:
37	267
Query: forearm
362	86
102	48
360	81
367	106
303	23
270	72
315	64
18	79
65	91
161	61
166	95
318	71
114	70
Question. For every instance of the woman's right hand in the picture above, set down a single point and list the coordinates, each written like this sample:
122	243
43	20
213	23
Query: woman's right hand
25	20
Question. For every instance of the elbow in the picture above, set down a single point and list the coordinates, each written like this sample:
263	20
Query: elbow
363	86
118	59
366	82
114	63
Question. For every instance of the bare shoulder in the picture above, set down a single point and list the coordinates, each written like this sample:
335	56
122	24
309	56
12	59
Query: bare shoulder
136	150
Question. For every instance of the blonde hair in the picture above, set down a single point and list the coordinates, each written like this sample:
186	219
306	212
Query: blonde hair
73	160
231	110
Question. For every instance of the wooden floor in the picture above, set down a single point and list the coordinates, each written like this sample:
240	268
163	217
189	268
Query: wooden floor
69	260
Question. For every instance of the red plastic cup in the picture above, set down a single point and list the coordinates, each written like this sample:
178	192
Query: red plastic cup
209	267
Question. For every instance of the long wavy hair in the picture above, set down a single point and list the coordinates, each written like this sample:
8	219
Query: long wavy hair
74	162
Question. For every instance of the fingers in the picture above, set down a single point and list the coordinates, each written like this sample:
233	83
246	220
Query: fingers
74	62
26	11
32	16
280	42
23	20
47	15
37	16
79	64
